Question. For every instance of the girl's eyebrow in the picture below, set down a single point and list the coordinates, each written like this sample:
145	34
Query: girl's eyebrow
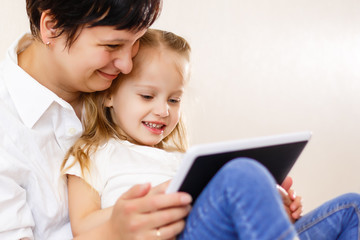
145	86
152	87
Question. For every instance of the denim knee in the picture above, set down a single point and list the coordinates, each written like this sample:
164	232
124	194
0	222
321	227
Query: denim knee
349	199
336	216
246	168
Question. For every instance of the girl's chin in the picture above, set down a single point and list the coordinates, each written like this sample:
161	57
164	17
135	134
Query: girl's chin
149	143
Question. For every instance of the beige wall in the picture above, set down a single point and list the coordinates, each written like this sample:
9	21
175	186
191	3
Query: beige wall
266	67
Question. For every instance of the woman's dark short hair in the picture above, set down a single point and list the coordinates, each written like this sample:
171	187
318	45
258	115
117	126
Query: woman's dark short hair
71	15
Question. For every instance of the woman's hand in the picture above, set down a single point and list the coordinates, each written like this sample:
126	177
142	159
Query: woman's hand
145	213
292	203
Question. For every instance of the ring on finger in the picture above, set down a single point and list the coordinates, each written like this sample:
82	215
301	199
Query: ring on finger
158	234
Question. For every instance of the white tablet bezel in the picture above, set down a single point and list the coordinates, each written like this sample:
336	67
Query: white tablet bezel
220	147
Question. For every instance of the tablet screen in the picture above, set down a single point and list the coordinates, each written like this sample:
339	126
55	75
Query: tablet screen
278	159
278	153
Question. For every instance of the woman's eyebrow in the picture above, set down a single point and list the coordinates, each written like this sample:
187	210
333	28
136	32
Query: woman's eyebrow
116	40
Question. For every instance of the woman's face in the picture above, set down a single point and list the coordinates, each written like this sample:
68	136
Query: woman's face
95	59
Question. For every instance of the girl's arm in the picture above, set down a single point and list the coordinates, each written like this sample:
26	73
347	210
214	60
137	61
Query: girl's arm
85	206
137	214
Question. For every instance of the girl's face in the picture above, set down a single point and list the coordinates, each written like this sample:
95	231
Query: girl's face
146	104
95	59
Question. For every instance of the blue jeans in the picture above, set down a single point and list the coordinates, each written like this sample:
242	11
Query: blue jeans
242	202
335	219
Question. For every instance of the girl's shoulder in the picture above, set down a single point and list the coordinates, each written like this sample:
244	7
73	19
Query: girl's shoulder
118	145
112	147
122	150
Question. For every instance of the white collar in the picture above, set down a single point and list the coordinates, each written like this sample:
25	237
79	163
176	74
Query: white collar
31	99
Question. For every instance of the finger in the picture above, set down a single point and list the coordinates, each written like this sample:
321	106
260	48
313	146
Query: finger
155	220
171	231
292	194
167	216
159	189
296	204
287	210
289	213
136	191
284	195
297	214
287	183
152	203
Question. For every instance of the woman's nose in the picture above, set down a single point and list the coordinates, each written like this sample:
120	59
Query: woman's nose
124	59
124	62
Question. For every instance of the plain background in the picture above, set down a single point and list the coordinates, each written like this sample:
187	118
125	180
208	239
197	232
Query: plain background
264	67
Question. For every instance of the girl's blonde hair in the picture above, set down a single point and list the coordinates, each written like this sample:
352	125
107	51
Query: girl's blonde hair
99	126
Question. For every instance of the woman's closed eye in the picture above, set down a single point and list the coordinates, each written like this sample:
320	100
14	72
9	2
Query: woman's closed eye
146	97
112	46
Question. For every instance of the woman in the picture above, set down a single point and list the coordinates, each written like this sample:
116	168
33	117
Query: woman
75	46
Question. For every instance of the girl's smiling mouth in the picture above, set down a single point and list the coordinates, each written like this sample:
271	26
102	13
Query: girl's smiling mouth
156	128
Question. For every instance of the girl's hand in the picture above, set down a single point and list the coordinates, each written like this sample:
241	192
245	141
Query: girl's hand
292	203
145	213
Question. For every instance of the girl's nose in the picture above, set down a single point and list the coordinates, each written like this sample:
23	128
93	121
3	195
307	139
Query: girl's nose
162	109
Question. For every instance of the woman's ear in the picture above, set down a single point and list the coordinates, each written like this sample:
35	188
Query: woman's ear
47	30
108	101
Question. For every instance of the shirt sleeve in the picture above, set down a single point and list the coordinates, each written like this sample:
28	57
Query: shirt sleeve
16	220
75	169
92	177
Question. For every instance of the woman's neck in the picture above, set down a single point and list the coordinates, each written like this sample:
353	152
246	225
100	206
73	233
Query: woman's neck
35	60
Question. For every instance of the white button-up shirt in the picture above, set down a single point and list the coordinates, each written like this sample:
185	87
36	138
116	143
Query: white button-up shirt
36	129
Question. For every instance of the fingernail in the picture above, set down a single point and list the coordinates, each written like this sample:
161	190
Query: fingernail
144	185
186	199
292	208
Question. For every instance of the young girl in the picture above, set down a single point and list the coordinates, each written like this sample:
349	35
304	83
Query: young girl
128	129
134	134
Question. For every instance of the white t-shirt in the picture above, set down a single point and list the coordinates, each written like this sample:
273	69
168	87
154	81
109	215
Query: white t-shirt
118	165
36	130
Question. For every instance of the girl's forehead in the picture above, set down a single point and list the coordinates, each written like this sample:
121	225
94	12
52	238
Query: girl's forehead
150	55
155	67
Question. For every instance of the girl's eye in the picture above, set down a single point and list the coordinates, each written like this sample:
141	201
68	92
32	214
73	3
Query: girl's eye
174	100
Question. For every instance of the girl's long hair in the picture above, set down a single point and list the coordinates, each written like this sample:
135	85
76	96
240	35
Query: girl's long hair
98	124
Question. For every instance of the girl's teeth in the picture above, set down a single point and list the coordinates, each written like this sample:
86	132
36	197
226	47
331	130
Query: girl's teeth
153	125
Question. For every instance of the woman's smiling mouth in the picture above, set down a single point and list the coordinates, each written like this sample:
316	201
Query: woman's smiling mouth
108	76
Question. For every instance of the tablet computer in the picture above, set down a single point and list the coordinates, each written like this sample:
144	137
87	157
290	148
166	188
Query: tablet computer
277	153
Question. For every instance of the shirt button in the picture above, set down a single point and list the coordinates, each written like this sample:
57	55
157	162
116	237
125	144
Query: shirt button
72	131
